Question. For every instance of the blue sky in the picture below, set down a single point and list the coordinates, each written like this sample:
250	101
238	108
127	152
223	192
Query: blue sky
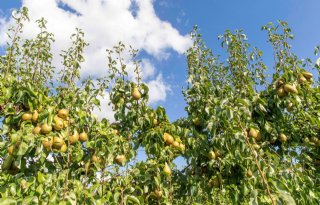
213	17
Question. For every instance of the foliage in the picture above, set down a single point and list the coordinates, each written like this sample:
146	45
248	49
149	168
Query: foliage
248	139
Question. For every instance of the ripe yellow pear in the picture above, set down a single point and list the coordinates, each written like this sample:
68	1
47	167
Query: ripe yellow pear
35	116
176	144
290	89
307	75
302	79
58	142
45	128
167	170
47	143
96	159
249	173
120	159
36	130
182	146
83	137
63	148
136	93
58	124
158	193
212	155
283	137
74	138
26	117
168	138
281	93
253	133
63	113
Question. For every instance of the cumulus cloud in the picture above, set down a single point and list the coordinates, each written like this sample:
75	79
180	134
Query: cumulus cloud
105	23
158	89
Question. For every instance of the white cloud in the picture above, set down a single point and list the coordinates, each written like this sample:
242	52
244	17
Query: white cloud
105	23
147	69
158	89
105	109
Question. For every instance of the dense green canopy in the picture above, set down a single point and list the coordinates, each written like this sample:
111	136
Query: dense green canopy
248	138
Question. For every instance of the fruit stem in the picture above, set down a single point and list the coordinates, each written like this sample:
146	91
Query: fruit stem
19	26
170	193
102	177
68	164
122	201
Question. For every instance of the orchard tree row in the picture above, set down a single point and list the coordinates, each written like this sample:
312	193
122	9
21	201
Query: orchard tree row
248	138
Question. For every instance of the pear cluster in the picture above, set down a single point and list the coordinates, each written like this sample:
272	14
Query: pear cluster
170	141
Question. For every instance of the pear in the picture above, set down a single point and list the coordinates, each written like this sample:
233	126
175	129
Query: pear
36	130
57	142
283	137
158	193
281	93
302	79
167	170
96	159
47	143
168	138
176	144
35	116
182	146
120	159
74	138
136	93
26	117
307	75
45	128
83	137
63	113
58	124
63	148
290	89
253	133
212	155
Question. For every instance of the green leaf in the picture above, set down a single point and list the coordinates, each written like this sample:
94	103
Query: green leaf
39	189
22	148
30	200
7	201
133	199
254	198
286	197
72	199
41	178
